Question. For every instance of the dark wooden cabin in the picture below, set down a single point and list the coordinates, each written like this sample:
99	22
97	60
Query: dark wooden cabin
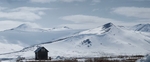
41	53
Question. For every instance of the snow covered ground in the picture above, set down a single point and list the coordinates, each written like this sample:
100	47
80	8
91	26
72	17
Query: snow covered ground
5	47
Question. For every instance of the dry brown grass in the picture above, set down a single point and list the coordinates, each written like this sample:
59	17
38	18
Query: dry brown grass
120	58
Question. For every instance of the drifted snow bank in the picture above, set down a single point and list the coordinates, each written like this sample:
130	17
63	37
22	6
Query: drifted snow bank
145	59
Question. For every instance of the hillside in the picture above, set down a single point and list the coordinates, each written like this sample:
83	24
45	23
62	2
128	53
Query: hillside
28	34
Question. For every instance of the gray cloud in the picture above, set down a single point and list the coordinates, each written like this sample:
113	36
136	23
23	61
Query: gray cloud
138	12
86	19
2	8
48	1
23	13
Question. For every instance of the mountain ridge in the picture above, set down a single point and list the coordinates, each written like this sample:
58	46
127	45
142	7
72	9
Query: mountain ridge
141	27
27	27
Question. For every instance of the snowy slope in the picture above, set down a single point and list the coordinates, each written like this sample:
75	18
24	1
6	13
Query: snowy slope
141	27
105	40
6	47
28	34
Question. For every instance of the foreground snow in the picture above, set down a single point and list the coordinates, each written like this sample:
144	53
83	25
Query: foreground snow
6	47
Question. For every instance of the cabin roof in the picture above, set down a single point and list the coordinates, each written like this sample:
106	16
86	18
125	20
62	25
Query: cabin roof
38	49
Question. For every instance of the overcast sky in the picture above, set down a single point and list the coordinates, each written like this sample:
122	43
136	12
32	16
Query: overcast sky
78	14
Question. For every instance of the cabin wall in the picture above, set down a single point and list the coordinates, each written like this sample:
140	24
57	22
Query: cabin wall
41	56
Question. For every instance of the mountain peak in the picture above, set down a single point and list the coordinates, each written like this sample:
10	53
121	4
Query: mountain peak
28	25
107	25
66	27
142	27
24	26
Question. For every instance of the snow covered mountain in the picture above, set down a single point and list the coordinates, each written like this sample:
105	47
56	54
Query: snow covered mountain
29	34
141	27
108	39
103	29
28	27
